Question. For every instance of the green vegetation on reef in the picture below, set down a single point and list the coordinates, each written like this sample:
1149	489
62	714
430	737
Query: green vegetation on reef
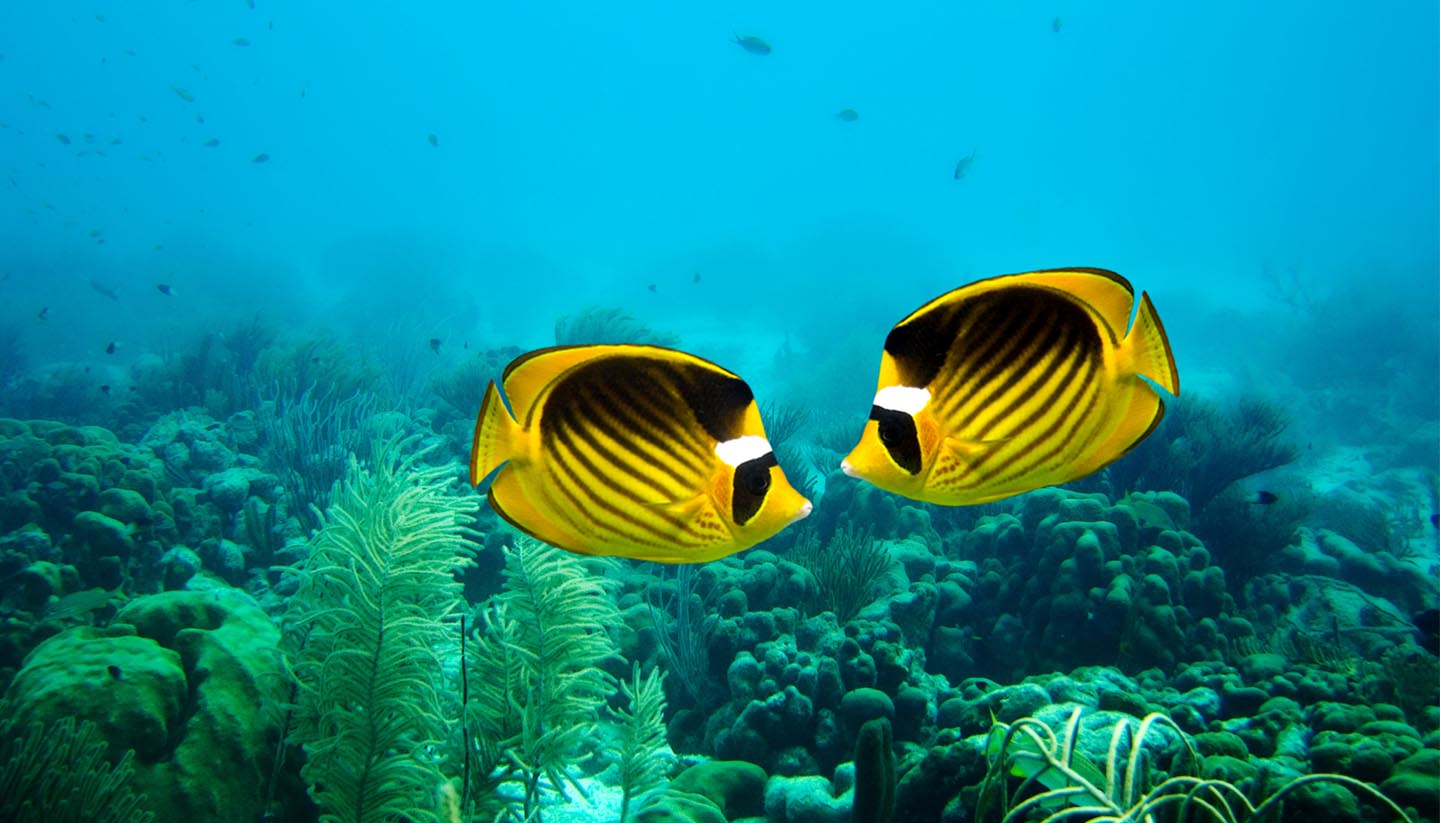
57	773
1036	774
535	671
366	632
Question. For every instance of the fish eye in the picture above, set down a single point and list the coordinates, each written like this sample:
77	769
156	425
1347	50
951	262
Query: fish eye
899	437
757	483
751	487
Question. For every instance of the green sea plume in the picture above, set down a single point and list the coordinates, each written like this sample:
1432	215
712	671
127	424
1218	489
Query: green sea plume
1037	774
536	685
366	631
57	773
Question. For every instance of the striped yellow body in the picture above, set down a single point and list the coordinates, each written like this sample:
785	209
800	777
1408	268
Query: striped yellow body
613	451
1014	383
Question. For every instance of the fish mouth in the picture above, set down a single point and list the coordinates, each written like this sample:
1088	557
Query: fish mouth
848	469
803	513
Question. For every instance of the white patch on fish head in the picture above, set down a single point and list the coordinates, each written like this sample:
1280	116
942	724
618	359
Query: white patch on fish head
742	449
902	399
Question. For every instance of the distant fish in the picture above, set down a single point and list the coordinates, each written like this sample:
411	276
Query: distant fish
240	41
64	139
753	44
1427	625
435	344
44	310
697	278
434	141
183	94
165	289
104	290
212	143
1149	514
634	451
1012	383
200	119
650	288
1264	498
105	389
262	157
847	115
962	167
110	349
1056	25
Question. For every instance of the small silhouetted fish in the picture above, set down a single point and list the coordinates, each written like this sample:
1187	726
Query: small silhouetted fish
434	141
165	289
183	94
435	344
110	349
200	119
964	165
44	310
212	142
753	44
262	157
1264	498
1427	624
104	290
105	389
1056	25
847	115
64	140
697	277
115	672
651	287
240	41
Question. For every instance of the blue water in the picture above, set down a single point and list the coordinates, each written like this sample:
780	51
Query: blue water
420	183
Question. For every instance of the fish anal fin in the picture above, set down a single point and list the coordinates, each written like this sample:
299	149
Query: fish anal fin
509	500
1142	414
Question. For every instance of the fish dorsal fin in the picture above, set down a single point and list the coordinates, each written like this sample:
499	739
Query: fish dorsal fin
527	375
1107	293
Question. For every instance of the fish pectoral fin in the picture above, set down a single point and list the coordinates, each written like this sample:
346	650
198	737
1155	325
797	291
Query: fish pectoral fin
968	450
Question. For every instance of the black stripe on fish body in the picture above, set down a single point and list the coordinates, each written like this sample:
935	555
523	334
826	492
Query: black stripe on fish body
1062	449
897	433
1050	320
636	397
1017	377
1038	383
602	491
673	427
615	451
1061	418
980	362
750	487
657	442
718	401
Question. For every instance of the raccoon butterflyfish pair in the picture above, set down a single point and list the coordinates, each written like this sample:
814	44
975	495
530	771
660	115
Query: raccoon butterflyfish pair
1013	383
635	451
994	389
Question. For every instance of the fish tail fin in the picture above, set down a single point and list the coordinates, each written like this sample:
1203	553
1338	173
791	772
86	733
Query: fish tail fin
496	436
1148	348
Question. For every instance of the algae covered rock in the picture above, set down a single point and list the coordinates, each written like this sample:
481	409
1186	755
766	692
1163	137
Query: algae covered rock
189	680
